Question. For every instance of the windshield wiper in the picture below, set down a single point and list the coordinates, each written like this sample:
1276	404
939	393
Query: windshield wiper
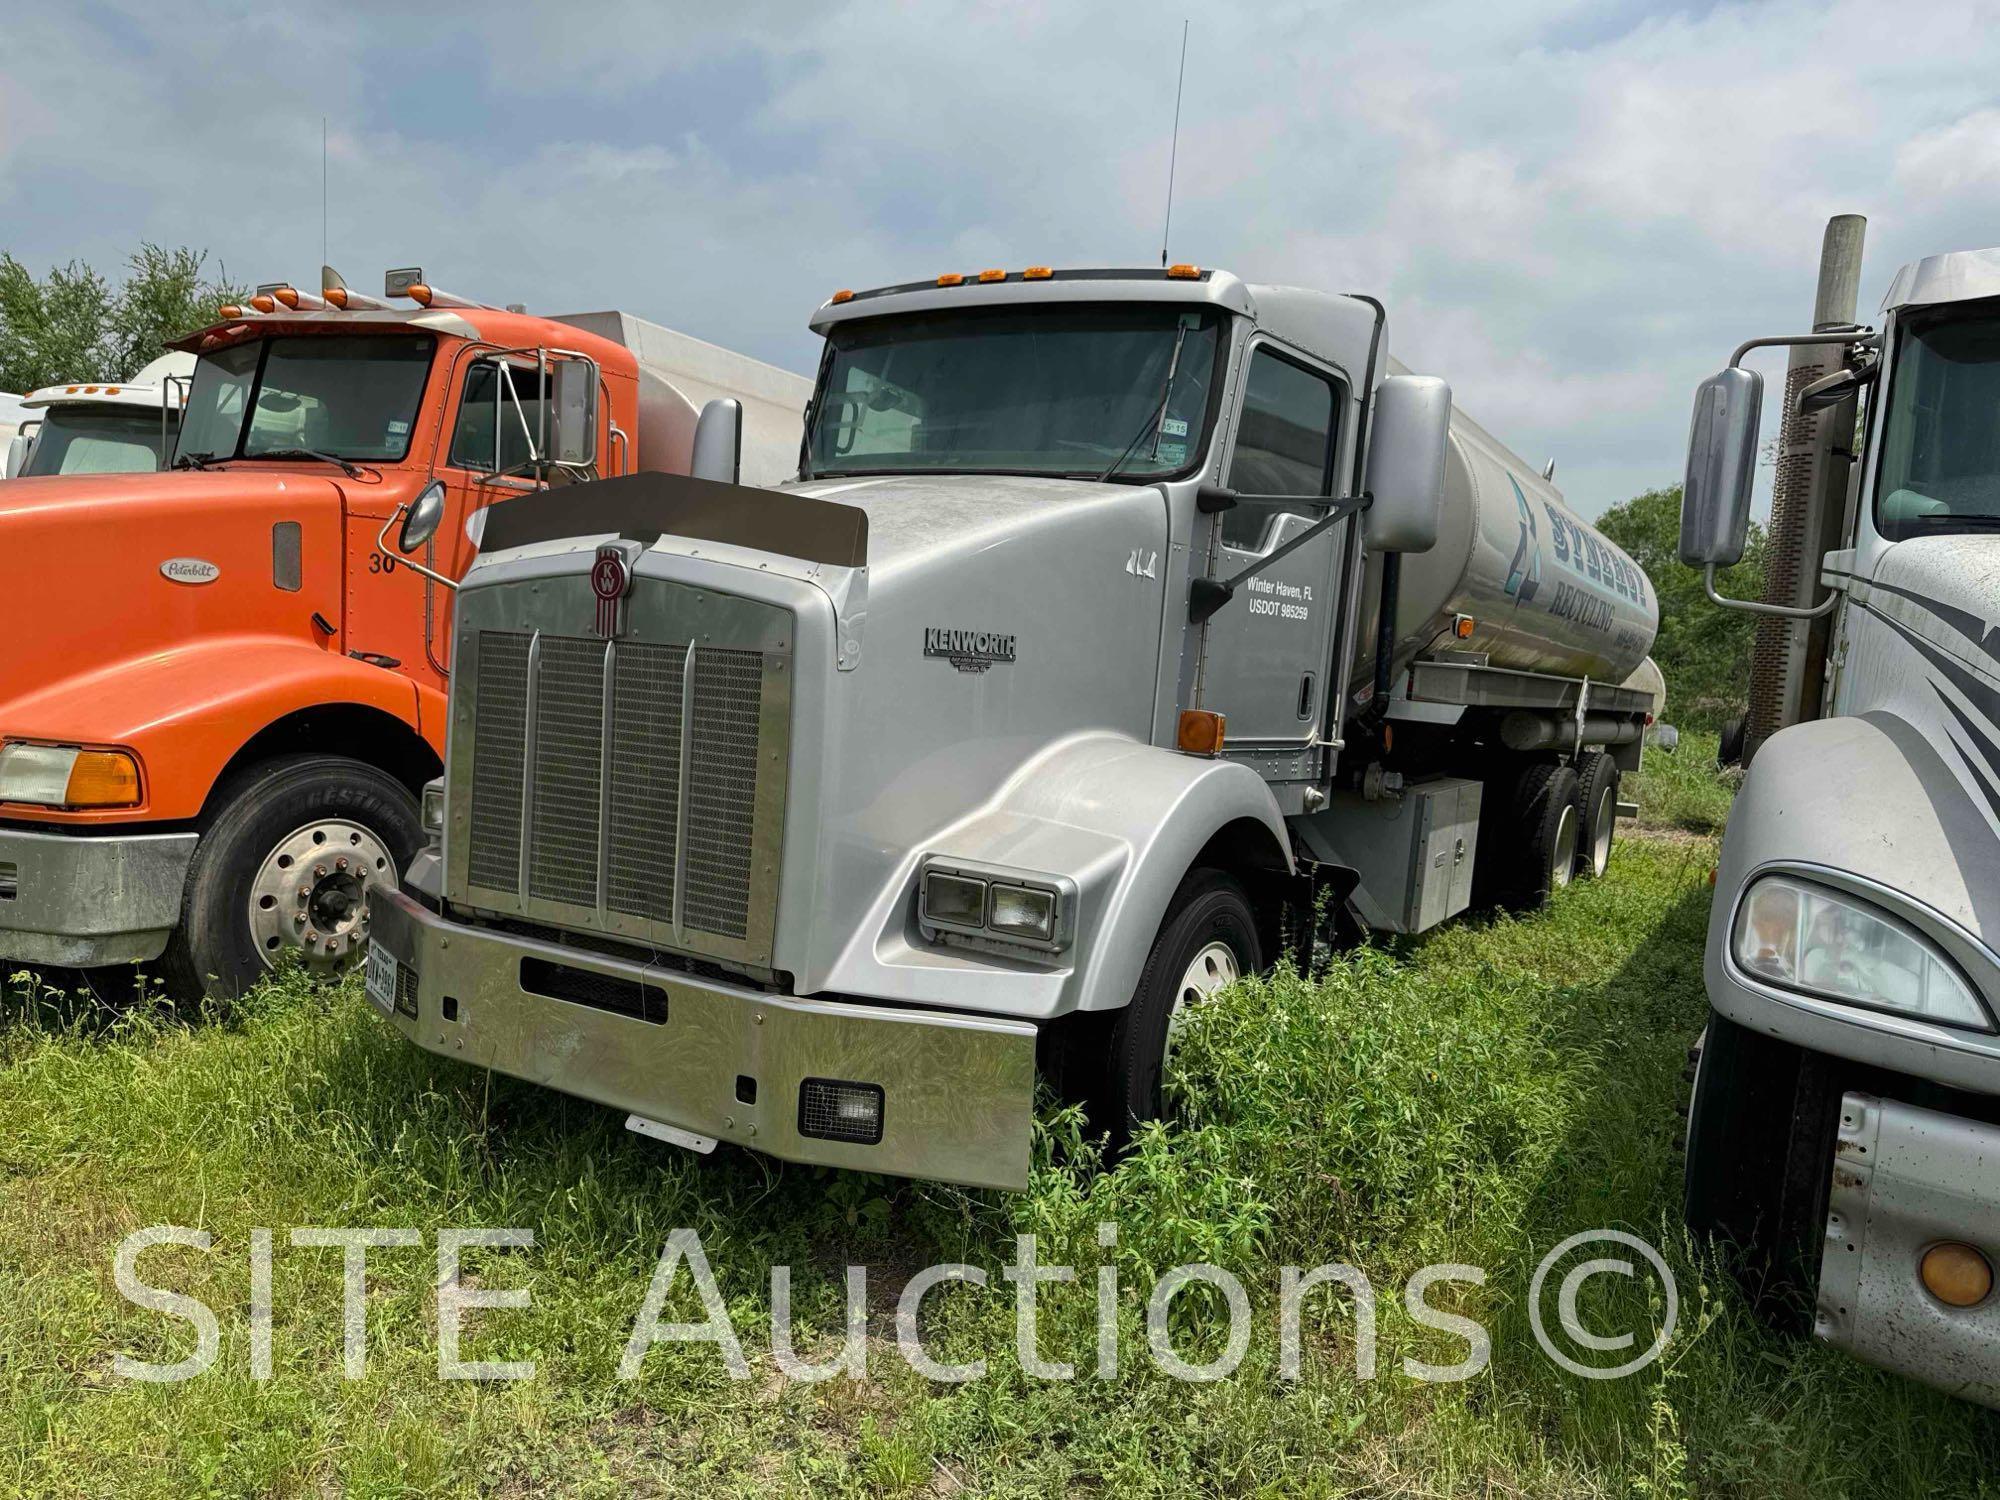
194	460
351	470
1156	419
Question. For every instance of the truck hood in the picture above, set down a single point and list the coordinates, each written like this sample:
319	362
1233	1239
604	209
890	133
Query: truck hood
1945	589
101	570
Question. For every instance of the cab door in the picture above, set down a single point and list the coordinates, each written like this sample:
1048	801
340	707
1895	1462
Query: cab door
1265	654
488	445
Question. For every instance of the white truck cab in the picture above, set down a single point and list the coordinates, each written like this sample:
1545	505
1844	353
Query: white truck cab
1845	1126
101	427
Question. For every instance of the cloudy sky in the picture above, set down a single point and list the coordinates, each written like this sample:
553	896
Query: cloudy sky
1574	211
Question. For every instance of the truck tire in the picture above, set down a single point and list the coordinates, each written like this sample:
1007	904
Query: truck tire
1761	1126
1729	746
1528	836
1209	938
1597	807
281	867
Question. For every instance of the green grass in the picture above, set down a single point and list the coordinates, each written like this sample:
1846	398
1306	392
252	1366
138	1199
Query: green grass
1474	1097
1683	791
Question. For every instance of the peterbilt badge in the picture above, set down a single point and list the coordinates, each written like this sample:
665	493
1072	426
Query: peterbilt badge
611	582
192	571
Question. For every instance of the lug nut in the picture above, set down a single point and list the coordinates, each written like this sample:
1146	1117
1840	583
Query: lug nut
341	863
320	871
299	920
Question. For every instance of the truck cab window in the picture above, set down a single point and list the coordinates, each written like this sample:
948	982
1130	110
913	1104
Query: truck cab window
1941	439
1076	391
472	439
1284	442
101	440
354	397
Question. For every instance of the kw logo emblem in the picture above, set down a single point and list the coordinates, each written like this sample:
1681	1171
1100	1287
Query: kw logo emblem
611	582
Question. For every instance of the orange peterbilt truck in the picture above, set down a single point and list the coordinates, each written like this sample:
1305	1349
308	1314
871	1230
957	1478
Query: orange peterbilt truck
226	682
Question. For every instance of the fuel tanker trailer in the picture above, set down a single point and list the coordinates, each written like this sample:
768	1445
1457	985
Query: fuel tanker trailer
1115	624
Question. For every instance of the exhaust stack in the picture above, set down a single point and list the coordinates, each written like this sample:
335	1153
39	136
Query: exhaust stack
1816	453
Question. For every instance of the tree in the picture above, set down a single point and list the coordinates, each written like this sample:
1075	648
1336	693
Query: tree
1704	650
74	326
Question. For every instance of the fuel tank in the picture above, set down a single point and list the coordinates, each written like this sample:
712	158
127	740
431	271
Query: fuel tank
1546	592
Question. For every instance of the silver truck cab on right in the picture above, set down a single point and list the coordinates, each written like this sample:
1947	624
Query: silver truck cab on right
1844	1133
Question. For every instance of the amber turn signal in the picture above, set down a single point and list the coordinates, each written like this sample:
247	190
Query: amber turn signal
1957	1275
993	273
845	294
1200	732
951	278
1038	273
103	778
1182	271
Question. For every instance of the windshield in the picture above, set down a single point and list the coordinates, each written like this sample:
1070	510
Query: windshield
352	396
96	440
1056	389
1941	438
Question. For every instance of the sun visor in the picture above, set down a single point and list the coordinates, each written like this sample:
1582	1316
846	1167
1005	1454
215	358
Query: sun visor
648	506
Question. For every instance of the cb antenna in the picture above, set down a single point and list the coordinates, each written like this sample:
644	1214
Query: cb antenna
1173	150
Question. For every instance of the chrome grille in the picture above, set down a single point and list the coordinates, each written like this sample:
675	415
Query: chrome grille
502	686
569	743
722	788
631	786
645	777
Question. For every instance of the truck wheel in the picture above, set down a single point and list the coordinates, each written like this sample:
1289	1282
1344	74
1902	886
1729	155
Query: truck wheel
1597	804
1208	940
282	869
1528	837
1761	1127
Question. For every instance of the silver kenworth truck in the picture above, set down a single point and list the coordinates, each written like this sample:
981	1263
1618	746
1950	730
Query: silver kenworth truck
1844	1133
1053	694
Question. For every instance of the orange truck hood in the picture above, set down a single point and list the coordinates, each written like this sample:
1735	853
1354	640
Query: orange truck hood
135	599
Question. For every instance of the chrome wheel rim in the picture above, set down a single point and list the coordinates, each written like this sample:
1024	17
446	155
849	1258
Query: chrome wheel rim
1565	852
308	895
1600	843
1212	969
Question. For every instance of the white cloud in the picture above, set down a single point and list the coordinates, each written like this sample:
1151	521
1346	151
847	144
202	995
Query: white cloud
1573	213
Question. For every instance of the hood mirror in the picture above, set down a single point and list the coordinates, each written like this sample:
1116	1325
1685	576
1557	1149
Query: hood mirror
718	442
421	521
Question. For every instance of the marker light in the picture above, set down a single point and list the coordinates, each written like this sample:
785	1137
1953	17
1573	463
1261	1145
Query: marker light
1038	273
1956	1274
951	278
62	776
993	273
1810	939
229	310
1182	271
1463	626
264	302
1200	732
297	300
418	293
845	294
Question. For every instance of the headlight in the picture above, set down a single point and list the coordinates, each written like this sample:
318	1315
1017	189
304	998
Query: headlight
1808	938
958	901
63	776
433	807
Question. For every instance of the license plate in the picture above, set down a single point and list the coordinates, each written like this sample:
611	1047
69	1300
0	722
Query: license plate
381	980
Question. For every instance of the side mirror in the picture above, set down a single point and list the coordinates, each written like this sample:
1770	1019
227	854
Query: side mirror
17	455
573	406
1721	466
1406	449
718	442
1831	390
420	521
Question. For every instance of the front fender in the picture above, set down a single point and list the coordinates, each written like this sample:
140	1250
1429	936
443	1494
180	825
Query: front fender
1123	820
1867	805
186	710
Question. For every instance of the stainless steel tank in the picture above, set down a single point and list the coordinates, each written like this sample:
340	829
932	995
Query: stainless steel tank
1546	592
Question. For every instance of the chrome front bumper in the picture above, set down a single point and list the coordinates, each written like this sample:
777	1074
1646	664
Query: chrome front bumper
1905	1179
713	1059
80	901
